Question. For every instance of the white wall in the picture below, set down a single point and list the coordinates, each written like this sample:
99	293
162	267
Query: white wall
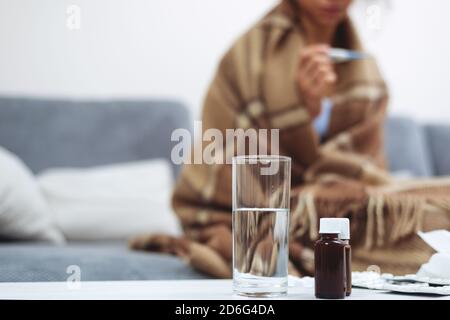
413	51
124	47
146	48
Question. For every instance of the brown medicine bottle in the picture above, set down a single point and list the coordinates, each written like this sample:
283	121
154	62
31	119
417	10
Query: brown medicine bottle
329	261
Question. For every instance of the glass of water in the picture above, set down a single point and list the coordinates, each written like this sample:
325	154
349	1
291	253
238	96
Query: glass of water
261	192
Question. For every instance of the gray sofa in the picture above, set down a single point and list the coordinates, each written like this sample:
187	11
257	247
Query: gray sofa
50	133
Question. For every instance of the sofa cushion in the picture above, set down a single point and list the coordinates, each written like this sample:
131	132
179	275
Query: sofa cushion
29	262
406	147
24	212
438	138
112	202
48	133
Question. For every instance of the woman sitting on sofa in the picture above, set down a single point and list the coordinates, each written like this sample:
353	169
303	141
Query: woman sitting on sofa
330	116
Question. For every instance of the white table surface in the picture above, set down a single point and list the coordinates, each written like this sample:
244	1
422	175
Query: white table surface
159	289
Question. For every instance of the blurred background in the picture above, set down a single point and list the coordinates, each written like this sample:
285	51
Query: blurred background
158	48
91	91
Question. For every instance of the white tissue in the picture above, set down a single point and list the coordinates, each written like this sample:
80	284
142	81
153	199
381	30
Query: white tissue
439	264
439	240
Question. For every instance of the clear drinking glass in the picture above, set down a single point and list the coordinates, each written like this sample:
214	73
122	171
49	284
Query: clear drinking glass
261	191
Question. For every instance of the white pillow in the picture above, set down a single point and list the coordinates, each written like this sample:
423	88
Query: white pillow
24	214
111	202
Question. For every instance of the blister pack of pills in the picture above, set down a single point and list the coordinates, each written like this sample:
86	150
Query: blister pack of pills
411	284
412	278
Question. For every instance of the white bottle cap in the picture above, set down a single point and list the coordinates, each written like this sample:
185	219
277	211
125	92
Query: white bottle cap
330	225
345	228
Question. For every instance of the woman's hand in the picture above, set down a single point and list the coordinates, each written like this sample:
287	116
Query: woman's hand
316	77
219	238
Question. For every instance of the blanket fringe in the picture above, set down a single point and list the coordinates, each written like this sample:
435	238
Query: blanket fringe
304	216
392	217
391	214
